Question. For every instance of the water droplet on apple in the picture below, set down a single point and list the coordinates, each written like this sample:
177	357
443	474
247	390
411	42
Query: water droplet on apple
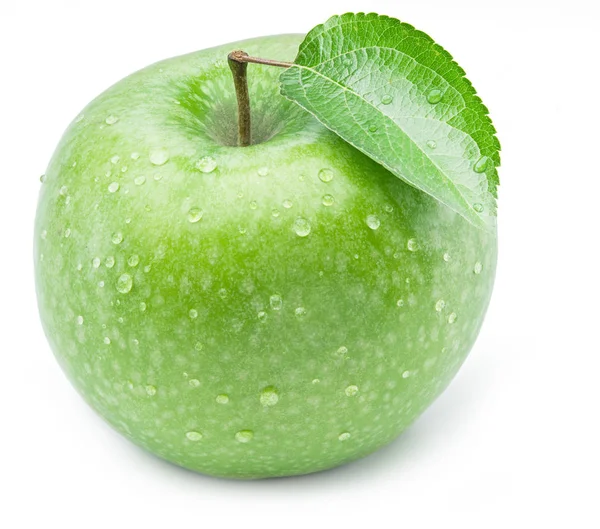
452	317
133	260
198	346
43	178
139	180
477	268
269	396
275	212
244	436
434	96
447	257
159	157
351	390
113	187
326	175
124	283
373	222
439	305
344	436
79	118
117	237
194	382
253	204
406	374
135	155
481	164
194	436
315	381
43	234
328	200
301	227
222	293
143	306
115	159
111	120
431	144
193	313
106	340
387	99
263	171
478	207
287	204
412	245
276	302
300	312
222	398
206	164
342	351
150	390
262	316
400	303
110	262
67	233
79	320
101	284
195	215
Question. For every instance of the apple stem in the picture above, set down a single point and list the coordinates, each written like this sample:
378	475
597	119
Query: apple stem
238	62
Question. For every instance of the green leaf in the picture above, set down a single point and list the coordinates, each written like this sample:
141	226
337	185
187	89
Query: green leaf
397	96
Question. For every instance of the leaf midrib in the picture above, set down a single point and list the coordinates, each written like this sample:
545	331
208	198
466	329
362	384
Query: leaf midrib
444	177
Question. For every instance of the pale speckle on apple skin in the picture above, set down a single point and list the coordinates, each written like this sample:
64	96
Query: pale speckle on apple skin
306	388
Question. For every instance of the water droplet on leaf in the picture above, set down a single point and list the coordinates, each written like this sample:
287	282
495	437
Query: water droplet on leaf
113	187
481	164
387	99
434	96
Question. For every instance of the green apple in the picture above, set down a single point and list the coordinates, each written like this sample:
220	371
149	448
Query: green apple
247	312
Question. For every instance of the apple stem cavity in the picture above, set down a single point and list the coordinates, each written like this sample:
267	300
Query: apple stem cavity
238	62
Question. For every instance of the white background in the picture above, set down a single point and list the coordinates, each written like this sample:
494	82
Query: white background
513	442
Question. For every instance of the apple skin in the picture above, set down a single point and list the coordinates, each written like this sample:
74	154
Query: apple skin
236	344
